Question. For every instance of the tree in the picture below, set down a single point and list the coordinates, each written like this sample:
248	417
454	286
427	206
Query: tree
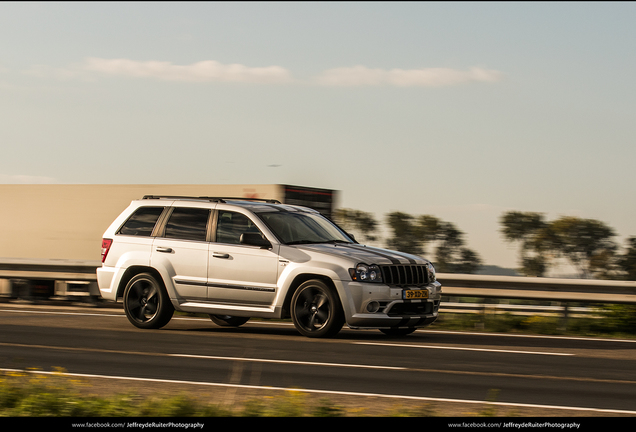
414	234
627	261
448	251
407	236
586	243
532	232
469	262
361	224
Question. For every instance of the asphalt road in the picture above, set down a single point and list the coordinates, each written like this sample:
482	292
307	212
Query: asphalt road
586	375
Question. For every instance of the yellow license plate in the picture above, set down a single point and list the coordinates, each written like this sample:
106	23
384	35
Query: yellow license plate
415	294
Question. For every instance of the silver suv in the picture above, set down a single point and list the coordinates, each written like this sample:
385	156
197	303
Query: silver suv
234	258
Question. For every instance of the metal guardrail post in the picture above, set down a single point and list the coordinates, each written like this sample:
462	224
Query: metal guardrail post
564	317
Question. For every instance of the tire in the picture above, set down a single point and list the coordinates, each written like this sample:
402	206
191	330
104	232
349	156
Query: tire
316	310
228	320
146	302
403	331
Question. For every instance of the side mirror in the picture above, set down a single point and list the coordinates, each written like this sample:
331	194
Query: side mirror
255	239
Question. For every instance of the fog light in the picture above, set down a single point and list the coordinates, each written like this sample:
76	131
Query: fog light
373	307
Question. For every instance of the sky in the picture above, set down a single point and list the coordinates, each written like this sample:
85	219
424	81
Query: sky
461	110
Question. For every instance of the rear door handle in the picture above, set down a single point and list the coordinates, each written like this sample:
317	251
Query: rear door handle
164	249
220	255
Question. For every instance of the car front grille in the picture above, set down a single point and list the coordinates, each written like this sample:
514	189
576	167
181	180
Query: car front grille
405	275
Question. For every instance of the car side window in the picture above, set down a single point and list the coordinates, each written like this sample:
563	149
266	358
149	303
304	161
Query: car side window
231	225
187	223
142	222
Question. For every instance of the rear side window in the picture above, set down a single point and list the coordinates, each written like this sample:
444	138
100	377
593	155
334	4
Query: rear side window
188	223
142	222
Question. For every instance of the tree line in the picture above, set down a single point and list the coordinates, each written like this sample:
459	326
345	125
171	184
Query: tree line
414	235
587	244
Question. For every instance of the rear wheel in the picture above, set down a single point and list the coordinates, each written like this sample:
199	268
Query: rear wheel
146	302
316	310
229	320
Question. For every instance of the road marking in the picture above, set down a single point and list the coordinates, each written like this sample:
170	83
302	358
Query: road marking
420	331
421	370
304	363
246	359
461	348
119	315
535	336
61	313
332	392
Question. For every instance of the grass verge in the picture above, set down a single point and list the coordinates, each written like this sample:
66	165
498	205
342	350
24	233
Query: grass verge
614	321
33	394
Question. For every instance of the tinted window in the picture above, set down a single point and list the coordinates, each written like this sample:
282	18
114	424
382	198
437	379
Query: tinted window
231	225
142	222
297	228
187	224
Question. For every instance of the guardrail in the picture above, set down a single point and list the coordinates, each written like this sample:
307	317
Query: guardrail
33	278
562	309
534	288
74	273
48	269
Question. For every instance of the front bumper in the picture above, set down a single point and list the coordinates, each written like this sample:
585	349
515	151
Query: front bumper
381	306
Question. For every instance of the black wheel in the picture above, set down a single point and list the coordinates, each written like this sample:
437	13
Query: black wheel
146	302
403	331
228	320
316	310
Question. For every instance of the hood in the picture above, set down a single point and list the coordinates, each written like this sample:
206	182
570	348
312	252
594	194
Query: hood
364	254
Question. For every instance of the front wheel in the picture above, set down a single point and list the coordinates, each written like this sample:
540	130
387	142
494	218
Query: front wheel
316	310
146	303
228	320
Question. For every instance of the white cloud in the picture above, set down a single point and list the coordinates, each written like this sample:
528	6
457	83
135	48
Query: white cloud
204	71
427	77
213	71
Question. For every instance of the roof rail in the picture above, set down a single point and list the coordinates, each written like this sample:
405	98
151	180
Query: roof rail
211	199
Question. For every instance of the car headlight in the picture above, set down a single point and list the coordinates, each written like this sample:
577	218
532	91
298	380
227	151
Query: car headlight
366	273
431	272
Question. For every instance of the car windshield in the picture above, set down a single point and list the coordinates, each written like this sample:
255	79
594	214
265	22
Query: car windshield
303	228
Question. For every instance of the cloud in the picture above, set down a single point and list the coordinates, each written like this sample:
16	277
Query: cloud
427	77
212	71
203	71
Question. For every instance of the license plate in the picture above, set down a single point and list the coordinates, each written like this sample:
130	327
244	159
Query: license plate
415	294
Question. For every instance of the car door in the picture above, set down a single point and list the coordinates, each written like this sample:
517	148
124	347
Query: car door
240	274
182	250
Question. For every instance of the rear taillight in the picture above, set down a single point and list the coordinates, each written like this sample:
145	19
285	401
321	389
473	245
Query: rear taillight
105	248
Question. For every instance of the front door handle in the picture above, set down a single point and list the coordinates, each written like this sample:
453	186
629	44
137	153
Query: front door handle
164	249
220	255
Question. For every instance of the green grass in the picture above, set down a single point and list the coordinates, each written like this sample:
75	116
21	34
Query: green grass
33	394
617	321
